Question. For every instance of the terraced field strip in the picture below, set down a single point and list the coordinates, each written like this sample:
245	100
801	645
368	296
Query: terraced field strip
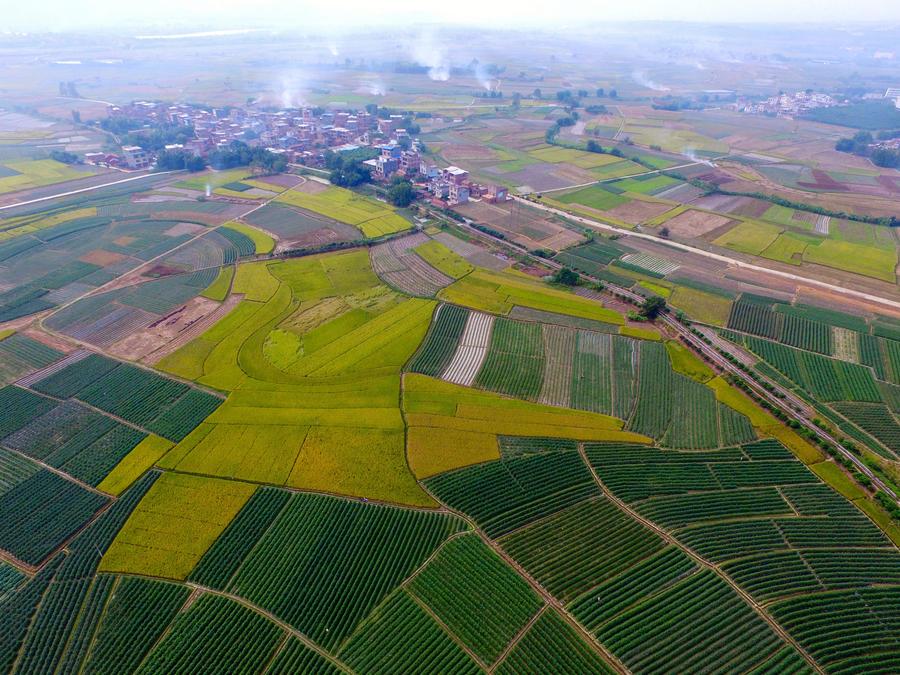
399	266
442	341
472	350
46	372
650	263
559	352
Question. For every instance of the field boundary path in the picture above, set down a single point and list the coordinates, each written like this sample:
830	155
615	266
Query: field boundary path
702	562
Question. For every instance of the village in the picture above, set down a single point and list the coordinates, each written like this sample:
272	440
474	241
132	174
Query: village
304	137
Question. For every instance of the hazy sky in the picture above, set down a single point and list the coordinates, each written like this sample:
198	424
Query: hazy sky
55	15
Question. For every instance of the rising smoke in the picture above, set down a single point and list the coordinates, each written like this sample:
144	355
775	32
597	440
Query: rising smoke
640	77
428	52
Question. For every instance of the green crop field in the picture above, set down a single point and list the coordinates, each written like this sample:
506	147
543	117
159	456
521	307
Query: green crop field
238	459
371	217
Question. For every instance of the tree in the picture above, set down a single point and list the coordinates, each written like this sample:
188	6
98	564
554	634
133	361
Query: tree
652	306
613	93
594	146
401	192
566	277
664	232
600	92
76	116
537	94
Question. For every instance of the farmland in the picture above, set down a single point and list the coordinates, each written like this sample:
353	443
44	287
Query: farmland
416	454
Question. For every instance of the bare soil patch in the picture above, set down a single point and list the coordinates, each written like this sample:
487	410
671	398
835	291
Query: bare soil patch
637	211
184	228
102	258
138	345
694	223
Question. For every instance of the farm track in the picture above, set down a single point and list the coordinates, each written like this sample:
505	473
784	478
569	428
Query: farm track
702	562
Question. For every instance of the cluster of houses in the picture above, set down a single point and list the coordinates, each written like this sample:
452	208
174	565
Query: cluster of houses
788	105
303	136
448	186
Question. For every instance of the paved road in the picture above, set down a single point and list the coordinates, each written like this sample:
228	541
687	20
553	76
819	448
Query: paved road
87	189
870	297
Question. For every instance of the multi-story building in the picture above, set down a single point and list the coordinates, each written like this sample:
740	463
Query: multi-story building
135	157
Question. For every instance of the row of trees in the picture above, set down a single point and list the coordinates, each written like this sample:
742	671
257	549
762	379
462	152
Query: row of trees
861	144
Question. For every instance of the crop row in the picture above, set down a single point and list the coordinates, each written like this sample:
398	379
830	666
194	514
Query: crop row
470	353
401	637
695	421
847	631
552	646
653	410
138	613
580	547
218	566
681	510
20	407
780	574
592	373
20	354
53	598
40	512
513	446
215	635
697	625
505	495
476	595
876	420
515	360
646	577
827	379
725	541
559	348
325	563
441	342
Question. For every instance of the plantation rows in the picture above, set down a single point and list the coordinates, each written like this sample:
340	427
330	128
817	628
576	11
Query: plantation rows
216	634
582	369
552	646
40	509
20	354
699	624
77	440
37	620
514	446
576	549
825	378
515	360
471	351
503	496
476	595
321	564
400	267
142	397
440	344
402	637
643	579
781	574
875	420
846	631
